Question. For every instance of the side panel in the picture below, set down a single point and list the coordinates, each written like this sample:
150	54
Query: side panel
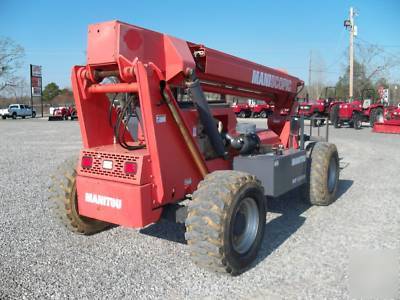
278	173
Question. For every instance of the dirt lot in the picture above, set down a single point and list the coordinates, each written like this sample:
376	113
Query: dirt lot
305	253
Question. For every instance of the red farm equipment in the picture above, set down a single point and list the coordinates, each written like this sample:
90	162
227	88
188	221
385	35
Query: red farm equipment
391	124
63	113
188	149
358	111
317	110
261	108
241	110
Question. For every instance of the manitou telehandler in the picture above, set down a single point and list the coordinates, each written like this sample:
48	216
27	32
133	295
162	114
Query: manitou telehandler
184	149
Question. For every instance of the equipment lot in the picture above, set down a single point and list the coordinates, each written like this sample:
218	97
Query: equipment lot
305	252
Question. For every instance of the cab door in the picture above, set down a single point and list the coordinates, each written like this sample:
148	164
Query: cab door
22	110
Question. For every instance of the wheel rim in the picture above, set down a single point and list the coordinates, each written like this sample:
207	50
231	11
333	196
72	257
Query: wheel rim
332	174
245	225
379	117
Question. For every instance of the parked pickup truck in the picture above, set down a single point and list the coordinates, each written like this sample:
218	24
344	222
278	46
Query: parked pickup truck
17	110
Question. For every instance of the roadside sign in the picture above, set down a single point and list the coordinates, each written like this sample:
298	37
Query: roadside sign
36	83
36	71
36	91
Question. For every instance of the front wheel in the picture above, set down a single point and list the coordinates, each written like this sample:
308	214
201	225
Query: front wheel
33	115
226	221
242	114
14	116
316	120
356	121
322	174
334	116
263	114
64	201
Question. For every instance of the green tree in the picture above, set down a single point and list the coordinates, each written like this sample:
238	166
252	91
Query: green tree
361	81
50	91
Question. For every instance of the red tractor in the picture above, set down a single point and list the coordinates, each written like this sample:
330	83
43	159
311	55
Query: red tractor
242	110
358	111
187	160
261	109
63	113
316	110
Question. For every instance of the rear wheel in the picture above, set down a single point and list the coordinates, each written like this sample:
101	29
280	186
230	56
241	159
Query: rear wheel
14	115
226	221
357	121
376	115
3	117
242	114
263	114
33	115
323	174
334	116
64	201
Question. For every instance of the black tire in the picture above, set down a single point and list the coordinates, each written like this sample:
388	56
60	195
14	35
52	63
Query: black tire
376	115
334	116
242	114
316	122
3	117
14	116
372	115
263	114
212	222
322	174
63	201
23	117
356	121
33	115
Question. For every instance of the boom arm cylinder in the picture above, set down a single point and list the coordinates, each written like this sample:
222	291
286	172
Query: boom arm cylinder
205	114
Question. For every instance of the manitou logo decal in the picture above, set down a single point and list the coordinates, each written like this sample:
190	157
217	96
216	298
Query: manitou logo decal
272	81
103	200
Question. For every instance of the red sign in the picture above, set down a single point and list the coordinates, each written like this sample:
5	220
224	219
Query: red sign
36	82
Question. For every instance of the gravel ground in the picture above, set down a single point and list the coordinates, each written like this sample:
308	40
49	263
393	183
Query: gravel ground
305	252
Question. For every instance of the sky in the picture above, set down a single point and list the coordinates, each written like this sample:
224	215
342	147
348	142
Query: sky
277	34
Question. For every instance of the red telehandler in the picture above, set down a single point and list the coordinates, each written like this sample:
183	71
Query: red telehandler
184	147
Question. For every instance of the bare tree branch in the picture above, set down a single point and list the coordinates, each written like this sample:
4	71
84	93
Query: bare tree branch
11	59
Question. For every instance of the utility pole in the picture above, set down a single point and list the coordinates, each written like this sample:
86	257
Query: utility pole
309	74
350	25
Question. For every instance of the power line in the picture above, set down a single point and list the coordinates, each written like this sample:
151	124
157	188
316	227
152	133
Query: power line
380	47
